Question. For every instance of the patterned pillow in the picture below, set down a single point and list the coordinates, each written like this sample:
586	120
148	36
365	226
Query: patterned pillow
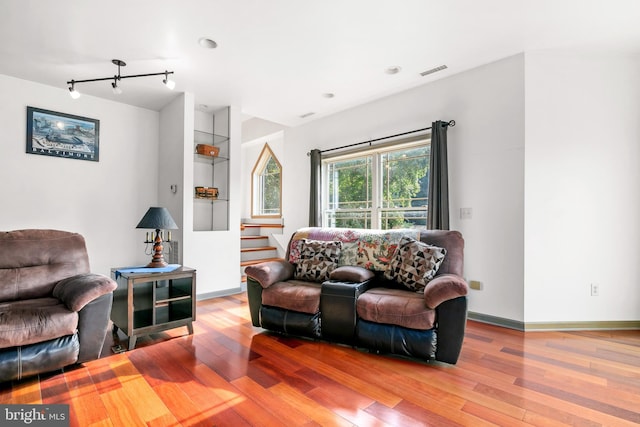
414	263
375	254
317	259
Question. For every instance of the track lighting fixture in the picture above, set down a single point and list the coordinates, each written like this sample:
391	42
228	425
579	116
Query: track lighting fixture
168	83
72	90
114	86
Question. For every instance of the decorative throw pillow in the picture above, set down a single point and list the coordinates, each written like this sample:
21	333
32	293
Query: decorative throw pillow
317	259
414	263
375	254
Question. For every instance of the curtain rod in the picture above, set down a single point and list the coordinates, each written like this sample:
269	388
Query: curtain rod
451	123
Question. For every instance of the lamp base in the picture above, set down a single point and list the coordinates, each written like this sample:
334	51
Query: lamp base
157	264
157	260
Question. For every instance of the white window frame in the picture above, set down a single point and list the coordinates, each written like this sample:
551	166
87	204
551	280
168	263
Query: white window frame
257	187
376	210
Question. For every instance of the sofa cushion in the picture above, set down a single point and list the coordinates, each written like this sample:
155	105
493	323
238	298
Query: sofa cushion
33	261
296	295
36	320
395	307
317	260
414	263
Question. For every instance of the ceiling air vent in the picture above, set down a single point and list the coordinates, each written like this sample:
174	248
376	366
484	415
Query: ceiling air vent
433	70
304	116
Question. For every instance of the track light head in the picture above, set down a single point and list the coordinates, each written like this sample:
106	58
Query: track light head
114	86
72	90
170	84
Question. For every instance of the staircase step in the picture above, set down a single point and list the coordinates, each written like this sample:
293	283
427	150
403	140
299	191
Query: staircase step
253	230
250	255
258	249
258	261
261	226
253	241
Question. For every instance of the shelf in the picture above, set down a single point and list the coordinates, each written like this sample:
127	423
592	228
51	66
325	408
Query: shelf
201	137
210	159
170	294
212	214
167	314
207	199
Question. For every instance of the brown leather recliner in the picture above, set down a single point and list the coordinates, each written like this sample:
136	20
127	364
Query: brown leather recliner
53	311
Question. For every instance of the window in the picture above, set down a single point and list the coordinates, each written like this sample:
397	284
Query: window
381	188
266	185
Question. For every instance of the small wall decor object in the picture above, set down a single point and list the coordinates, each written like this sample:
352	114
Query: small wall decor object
206	192
50	133
207	150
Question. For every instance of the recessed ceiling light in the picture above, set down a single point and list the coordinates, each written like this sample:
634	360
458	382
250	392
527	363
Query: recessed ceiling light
395	69
328	95
207	43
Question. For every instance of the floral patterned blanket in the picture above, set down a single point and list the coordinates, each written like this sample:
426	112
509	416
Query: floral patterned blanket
371	249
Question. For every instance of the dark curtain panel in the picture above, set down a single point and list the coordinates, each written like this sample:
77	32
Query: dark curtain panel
438	213
315	189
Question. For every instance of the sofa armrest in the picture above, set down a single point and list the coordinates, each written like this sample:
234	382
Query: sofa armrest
93	323
351	273
269	272
443	288
77	291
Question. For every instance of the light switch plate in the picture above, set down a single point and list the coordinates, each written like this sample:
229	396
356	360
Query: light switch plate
466	213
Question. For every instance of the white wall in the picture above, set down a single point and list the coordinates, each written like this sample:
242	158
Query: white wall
171	172
582	192
486	161
104	200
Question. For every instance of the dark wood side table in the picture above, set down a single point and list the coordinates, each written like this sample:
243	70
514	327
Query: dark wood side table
146	303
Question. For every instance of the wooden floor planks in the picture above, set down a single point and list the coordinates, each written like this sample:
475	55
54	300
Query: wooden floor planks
230	373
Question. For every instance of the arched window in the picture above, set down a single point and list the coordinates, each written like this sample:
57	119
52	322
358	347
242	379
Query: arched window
266	186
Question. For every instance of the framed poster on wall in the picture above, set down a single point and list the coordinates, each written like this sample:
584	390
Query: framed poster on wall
50	133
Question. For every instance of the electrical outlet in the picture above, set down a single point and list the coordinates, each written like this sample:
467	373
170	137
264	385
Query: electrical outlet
474	284
466	213
595	290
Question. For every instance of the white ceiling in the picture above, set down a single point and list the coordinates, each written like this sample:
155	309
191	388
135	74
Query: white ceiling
276	58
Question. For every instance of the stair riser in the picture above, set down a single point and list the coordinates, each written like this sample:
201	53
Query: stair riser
260	231
253	243
250	256
251	231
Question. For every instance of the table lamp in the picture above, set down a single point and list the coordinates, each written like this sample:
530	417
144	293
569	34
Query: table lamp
157	219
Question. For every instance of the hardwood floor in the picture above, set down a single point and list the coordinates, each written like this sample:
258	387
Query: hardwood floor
229	373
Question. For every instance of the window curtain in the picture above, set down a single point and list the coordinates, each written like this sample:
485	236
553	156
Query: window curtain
438	214
315	206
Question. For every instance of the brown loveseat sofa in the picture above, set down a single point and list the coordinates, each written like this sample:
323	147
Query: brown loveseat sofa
53	312
395	291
